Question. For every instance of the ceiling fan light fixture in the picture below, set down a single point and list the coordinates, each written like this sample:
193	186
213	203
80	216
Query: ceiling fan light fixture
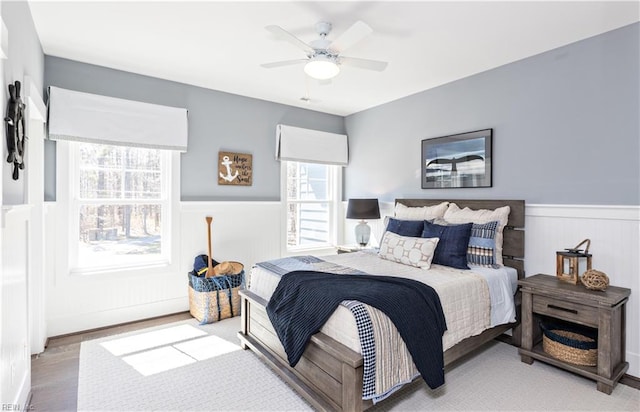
321	68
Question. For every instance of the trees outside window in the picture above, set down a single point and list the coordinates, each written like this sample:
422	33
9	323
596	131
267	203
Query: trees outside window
119	200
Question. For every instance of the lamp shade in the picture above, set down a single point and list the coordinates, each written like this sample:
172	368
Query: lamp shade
363	209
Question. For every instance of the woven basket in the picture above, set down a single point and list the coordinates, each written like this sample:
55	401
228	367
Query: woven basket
570	346
215	298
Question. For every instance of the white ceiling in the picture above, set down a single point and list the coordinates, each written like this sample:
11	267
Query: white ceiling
220	45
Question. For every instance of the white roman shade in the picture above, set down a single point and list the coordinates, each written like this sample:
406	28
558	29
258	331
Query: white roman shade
311	146
93	118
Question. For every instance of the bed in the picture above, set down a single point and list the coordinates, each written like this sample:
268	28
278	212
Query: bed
331	371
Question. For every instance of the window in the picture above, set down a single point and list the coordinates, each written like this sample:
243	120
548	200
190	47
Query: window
311	198
116	200
119	206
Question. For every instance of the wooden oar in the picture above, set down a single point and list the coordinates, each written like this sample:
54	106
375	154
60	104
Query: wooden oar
210	260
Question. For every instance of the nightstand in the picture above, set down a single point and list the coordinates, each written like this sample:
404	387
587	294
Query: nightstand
547	296
352	248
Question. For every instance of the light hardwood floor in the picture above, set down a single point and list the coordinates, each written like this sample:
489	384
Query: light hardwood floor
54	373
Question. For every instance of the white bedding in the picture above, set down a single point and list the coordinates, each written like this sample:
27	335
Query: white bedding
472	300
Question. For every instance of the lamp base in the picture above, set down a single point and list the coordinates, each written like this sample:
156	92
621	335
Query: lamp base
363	233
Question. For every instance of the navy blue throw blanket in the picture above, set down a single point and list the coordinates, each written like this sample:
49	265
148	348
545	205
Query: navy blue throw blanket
304	300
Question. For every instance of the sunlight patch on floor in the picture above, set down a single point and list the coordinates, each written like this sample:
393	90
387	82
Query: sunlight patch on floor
143	341
158	360
206	348
161	350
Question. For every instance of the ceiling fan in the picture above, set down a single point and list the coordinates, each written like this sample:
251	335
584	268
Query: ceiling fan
324	57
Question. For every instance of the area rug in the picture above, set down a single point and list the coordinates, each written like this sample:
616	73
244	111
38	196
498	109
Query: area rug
187	367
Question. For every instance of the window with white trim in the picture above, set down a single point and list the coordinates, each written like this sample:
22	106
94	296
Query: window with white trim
312	193
118	181
119	206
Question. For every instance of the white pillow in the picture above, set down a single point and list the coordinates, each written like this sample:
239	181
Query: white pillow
456	215
403	212
414	251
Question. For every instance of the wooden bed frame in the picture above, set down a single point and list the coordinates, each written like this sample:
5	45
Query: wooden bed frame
329	375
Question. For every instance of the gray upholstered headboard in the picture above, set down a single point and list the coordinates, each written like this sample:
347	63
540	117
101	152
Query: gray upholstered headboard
513	243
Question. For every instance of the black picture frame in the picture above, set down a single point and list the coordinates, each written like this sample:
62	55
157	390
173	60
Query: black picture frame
458	161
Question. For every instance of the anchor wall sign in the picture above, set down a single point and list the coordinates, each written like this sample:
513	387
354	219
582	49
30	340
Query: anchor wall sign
235	169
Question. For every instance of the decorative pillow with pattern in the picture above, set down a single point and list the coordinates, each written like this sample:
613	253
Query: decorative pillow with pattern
482	245
456	215
420	213
414	251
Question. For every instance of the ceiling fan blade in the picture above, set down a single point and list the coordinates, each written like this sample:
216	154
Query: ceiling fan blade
364	63
285	35
282	63
358	31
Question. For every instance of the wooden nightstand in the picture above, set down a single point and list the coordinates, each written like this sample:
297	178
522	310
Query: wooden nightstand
544	295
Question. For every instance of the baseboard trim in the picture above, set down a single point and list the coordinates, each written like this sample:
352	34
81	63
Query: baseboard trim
24	393
80	332
630	380
27	405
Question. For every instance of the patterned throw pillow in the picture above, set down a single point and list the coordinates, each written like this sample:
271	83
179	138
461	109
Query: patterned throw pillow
453	245
414	251
482	245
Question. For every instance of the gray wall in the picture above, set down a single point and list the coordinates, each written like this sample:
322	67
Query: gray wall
217	121
25	59
565	124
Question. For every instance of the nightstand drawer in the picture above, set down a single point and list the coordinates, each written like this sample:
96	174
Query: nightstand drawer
574	312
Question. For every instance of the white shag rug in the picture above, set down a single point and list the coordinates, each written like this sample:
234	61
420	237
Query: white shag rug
187	367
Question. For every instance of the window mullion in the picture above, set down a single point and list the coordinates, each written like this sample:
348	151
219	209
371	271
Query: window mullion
74	207
123	174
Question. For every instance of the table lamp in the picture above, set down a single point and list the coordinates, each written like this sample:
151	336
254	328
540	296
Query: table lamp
363	209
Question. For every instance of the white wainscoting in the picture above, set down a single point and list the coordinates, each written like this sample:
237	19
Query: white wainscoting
78	302
252	231
15	359
242	231
246	232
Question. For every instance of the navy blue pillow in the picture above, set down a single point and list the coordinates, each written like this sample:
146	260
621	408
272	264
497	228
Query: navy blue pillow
452	247
410	228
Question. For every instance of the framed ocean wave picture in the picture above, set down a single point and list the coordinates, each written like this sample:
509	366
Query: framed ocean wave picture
457	161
